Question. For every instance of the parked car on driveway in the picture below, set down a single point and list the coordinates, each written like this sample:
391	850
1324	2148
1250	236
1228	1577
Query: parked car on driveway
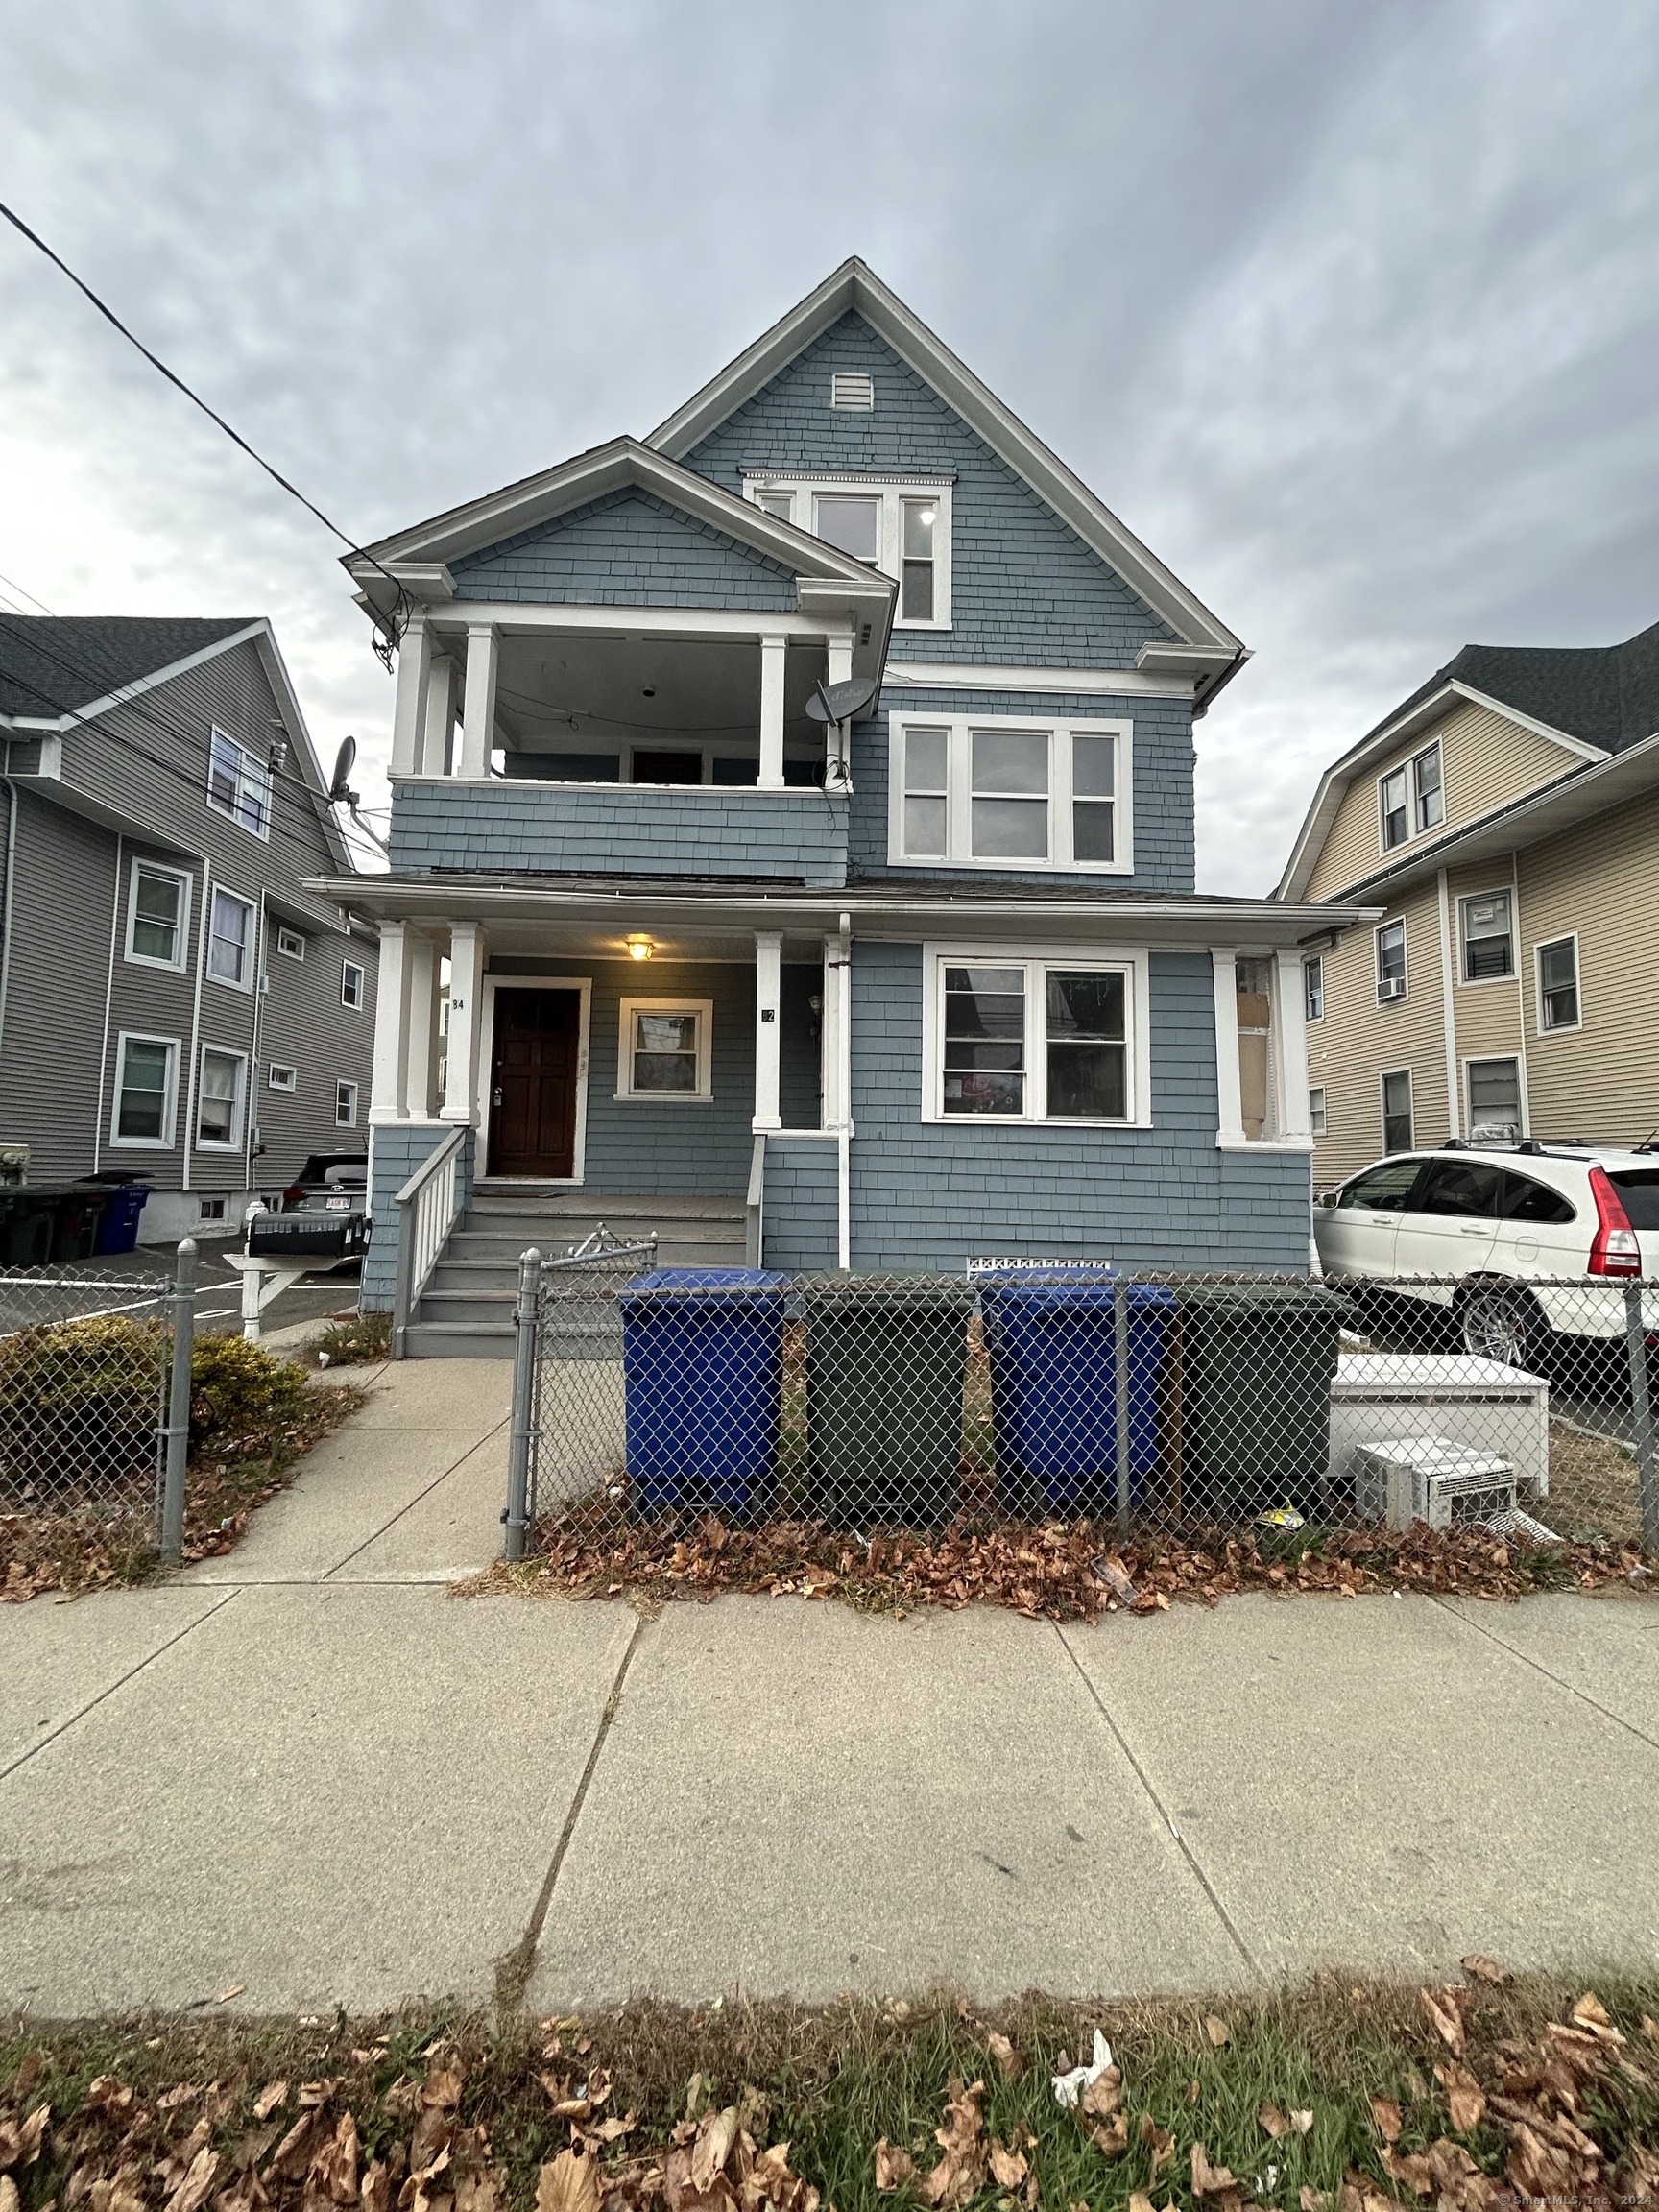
1498	1218
322	1216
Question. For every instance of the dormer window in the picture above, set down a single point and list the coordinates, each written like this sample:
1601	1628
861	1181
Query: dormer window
852	390
899	524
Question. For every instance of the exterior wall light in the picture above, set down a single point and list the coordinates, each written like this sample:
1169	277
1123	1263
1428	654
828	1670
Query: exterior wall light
640	948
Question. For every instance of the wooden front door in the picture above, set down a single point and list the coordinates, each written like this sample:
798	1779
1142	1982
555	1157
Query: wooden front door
532	1083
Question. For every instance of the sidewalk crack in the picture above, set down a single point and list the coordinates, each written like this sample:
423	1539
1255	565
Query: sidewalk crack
409	1504
1537	1665
1158	1805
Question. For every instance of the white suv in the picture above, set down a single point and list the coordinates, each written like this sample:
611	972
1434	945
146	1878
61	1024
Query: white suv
1496	1217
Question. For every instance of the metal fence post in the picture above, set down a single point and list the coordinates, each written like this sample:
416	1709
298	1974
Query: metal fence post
1121	1387
178	1405
524	1319
1642	1416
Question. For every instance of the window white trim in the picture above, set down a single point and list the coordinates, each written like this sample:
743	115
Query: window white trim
345	1094
702	1010
186	882
1318	1109
250	783
959	792
250	943
288	939
1409	769
282	1078
1313	966
1548	945
357	969
239	1100
1461	977
1384	1075
1471	1060
170	1101
1399	999
1135	967
890	490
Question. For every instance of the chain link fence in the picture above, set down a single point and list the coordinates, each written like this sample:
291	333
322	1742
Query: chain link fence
1041	1394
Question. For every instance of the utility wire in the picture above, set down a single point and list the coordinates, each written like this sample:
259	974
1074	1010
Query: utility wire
22	594
398	620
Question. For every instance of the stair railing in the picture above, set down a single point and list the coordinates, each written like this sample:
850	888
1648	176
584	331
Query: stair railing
428	1209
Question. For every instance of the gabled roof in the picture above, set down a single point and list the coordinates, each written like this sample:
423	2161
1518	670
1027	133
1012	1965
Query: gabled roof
855	288
418	557
1593	701
54	664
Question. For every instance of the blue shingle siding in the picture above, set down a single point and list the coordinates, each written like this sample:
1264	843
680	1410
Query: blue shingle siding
673	1149
629	549
928	1194
395	1152
602	829
800	1219
1160	772
1025	590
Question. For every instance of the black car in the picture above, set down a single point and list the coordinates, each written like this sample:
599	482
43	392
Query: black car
322	1214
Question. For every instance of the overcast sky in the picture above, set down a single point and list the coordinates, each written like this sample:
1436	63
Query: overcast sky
1350	308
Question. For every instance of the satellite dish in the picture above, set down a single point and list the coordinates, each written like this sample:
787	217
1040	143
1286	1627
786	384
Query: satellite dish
840	702
344	762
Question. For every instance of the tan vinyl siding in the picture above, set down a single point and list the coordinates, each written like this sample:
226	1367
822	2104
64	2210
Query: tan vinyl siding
1599	880
1488	1013
1486	761
1356	1039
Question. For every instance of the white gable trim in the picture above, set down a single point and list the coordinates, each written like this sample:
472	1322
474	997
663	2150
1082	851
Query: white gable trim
855	287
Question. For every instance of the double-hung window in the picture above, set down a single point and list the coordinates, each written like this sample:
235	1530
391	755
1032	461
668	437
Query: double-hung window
157	916
663	1049
1412	798
1050	1039
1559	984
1488	938
345	1105
219	1107
1397	1114
1391	962
239	784
1010	793
901	526
232	940
1495	1100
146	1088
352	984
1314	989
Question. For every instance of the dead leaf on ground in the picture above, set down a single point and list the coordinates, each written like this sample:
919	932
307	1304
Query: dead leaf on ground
1485	1969
1160	2141
376	2194
1465	2099
269	2097
1313	2199
712	2147
442	2087
1209	2180
1217	2029
1273	2120
1444	2017
1112	2141
333	2171
1008	2168
1006	2056
1103	2095
9	2197
568	2183
893	2166
1139	2201
1387	2115
960	2174
193	2191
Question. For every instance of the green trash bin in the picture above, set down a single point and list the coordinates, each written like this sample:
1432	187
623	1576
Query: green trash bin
886	1363
26	1233
1258	1362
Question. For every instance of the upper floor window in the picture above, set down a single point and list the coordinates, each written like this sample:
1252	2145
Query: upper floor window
157	916
901	527
1488	937
239	784
291	944
1412	799
352	984
1314	989
1559	984
1010	793
232	939
1391	962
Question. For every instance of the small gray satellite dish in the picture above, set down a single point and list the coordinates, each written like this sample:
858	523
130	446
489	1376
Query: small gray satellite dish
840	702
344	762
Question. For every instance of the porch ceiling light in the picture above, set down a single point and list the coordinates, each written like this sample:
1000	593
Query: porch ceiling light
640	948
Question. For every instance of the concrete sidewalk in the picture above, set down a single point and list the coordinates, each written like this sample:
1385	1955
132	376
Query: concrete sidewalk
307	1770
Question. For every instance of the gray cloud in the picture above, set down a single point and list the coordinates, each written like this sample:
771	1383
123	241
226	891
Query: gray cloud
1349	312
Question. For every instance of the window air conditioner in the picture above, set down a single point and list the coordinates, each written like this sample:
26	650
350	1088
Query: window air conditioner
1390	987
1432	1479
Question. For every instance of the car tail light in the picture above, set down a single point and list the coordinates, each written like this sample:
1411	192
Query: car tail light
294	1194
1615	1250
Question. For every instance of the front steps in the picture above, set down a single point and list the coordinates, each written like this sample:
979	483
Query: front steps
466	1311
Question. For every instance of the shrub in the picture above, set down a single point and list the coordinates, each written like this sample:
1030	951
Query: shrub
237	1388
80	1403
348	1343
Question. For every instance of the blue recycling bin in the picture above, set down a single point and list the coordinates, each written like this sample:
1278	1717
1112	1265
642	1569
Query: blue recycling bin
703	1387
118	1227
1051	1339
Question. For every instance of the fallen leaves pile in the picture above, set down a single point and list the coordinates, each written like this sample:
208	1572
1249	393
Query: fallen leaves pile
1060	1571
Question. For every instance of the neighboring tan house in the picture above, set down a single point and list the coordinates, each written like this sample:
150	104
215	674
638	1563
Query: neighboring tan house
1505	823
927	985
174	1003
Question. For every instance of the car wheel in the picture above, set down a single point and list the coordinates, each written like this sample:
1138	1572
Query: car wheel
1498	1322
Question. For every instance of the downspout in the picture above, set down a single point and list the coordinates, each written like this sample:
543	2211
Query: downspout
11	878
844	1133
188	1086
1448	1017
261	984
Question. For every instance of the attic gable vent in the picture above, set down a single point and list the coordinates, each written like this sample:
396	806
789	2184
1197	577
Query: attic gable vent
853	388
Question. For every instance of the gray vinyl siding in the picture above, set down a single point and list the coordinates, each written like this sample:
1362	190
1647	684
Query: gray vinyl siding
305	1026
628	549
50	1046
1160	772
933	1195
1025	590
395	1149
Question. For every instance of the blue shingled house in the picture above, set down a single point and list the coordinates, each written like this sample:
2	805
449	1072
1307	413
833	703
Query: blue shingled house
929	983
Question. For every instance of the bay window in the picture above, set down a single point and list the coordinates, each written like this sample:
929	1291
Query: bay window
1000	792
1057	1038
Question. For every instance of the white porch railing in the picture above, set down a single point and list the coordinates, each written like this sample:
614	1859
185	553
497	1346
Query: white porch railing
427	1210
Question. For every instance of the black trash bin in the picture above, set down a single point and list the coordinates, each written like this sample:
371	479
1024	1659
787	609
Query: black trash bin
30	1216
886	1363
76	1215
1259	1359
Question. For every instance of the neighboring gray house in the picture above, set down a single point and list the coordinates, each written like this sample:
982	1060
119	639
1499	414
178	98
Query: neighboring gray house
929	985
173	1000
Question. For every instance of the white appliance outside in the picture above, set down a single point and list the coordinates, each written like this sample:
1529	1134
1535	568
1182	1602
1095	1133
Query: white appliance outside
1479	1404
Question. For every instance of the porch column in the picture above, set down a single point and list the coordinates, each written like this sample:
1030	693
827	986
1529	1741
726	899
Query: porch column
438	738
478	710
1295	1121
409	713
390	1026
839	670
768	986
420	1047
772	652
466	1017
1230	1118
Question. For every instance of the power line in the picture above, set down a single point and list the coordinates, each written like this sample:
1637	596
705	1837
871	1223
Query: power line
22	594
400	620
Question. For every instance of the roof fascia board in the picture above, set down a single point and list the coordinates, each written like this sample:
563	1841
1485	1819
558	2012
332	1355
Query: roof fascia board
855	287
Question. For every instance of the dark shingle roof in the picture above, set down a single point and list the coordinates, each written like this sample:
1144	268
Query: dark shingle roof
50	664
1606	695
